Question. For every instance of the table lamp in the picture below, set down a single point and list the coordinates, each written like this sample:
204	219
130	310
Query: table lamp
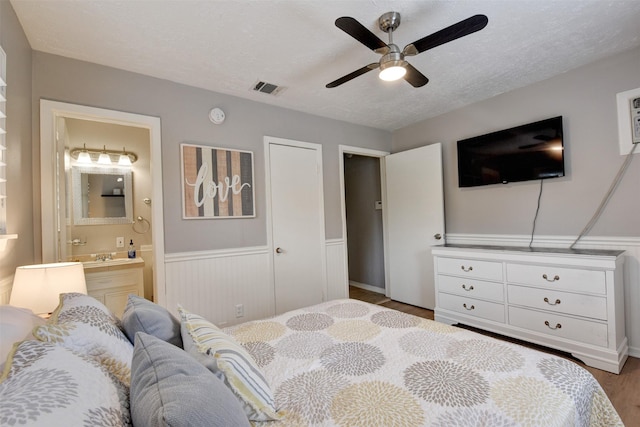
38	287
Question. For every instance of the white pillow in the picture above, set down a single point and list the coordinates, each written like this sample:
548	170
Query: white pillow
84	324
46	384
16	325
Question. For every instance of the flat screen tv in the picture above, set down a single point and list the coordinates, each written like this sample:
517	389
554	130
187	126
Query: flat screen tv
523	153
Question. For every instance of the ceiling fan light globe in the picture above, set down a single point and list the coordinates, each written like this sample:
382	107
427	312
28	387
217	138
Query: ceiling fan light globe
392	73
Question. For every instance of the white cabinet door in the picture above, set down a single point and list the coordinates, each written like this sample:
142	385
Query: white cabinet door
297	221
414	221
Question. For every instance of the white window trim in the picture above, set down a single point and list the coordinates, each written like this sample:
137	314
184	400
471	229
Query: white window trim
4	237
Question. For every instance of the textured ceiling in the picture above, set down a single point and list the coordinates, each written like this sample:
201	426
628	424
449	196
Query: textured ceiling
227	45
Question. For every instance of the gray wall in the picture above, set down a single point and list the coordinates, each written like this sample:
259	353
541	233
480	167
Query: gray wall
364	222
586	98
183	111
19	153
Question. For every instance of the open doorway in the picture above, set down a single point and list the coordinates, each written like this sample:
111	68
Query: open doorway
362	181
55	118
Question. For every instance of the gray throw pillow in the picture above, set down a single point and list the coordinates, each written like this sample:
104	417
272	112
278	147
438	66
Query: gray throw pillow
142	315
170	388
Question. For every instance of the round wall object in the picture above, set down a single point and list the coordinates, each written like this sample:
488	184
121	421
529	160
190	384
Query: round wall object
216	115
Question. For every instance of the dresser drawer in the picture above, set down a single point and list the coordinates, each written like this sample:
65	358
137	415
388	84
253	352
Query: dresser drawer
584	331
559	302
110	279
470	268
472	307
471	288
569	279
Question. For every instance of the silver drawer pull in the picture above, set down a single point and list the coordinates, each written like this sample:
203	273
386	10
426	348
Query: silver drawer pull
556	277
470	288
558	325
466	269
468	308
551	303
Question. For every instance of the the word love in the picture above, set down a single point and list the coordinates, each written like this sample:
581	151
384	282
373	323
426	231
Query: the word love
203	190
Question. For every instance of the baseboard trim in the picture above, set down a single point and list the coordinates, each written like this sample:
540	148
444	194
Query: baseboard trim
367	287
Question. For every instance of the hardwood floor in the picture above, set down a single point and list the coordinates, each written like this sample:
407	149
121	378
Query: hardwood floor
623	390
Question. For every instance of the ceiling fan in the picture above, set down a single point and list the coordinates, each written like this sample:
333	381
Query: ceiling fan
392	64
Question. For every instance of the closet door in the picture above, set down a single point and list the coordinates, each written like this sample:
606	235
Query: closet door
295	201
414	222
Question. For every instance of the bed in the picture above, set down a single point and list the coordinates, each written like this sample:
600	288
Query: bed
350	363
339	363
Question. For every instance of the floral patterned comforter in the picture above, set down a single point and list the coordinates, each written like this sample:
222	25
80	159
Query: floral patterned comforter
350	363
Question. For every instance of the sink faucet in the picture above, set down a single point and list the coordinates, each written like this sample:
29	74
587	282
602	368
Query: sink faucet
104	257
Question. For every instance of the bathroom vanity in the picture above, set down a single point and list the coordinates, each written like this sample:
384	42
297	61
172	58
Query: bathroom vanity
112	281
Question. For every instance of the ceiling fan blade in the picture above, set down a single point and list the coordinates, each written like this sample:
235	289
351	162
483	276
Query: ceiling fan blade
455	31
359	32
353	75
415	77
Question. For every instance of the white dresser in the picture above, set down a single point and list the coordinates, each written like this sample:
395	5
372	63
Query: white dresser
571	300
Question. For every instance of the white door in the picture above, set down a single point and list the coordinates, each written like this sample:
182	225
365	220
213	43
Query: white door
414	221
297	223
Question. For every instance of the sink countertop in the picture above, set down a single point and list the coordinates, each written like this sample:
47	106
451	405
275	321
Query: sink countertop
112	264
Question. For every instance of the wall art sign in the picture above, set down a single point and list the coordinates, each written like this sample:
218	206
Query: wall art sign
217	183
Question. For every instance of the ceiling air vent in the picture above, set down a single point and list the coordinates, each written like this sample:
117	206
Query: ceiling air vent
268	88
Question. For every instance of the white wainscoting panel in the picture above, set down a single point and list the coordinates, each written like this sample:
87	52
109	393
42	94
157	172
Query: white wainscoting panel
5	289
337	270
212	283
631	246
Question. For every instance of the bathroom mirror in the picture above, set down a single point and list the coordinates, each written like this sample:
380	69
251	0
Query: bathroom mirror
101	195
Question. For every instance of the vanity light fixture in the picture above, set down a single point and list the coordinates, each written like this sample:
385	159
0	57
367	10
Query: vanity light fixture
124	159
86	155
104	158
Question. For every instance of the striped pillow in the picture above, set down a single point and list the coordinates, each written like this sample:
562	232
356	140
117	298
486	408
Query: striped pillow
239	371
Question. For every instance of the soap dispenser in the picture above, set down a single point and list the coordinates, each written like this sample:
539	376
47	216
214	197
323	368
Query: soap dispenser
132	250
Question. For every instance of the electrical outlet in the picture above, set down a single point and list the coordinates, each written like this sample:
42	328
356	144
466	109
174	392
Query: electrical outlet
119	242
239	310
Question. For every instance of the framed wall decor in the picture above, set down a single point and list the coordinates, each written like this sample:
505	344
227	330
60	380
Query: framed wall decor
628	120
216	183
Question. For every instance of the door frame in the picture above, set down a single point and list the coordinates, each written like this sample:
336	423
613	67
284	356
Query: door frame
50	111
269	140
367	152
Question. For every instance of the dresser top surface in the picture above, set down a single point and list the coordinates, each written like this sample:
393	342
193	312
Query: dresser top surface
534	250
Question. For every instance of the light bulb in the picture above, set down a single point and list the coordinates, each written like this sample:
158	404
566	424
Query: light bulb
104	158
84	156
124	159
393	73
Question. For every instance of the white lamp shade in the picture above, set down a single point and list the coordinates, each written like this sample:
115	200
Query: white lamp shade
38	287
124	160
104	159
84	157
